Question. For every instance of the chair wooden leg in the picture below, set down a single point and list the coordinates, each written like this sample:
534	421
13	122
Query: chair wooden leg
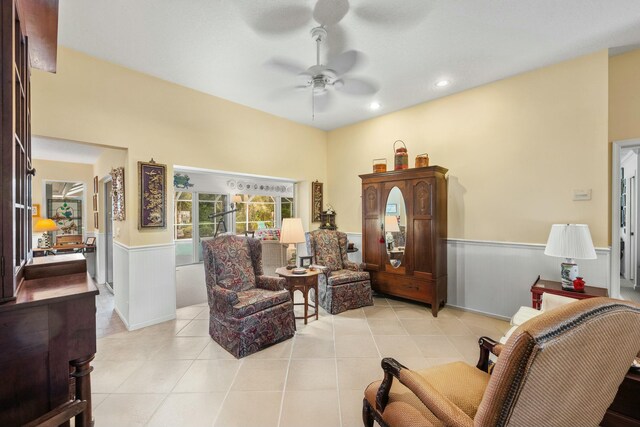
367	415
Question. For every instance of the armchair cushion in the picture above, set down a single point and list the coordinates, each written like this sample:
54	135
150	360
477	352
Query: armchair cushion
233	264
454	383
327	250
254	300
347	276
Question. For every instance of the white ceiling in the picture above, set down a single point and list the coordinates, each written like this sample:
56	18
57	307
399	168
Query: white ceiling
61	150
213	45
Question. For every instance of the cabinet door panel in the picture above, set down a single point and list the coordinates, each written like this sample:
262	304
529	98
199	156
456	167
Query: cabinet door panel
371	250
423	246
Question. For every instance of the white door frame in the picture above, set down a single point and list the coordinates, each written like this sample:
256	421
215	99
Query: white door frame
614	270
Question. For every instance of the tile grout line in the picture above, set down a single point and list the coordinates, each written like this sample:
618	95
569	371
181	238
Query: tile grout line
286	377
172	388
235	376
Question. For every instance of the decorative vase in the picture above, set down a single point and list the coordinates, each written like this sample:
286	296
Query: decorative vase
401	157
578	284
422	160
379	165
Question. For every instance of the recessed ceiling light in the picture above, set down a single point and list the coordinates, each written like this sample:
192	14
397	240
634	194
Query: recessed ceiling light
443	83
375	105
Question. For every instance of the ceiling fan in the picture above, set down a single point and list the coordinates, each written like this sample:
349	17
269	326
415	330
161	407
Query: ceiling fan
320	78
291	15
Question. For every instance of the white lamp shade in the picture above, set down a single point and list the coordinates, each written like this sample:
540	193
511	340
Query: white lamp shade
292	231
391	224
571	241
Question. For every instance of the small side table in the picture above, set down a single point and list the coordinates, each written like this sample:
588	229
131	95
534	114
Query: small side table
302	283
542	286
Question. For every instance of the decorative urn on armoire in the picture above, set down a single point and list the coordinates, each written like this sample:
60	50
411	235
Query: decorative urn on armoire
404	233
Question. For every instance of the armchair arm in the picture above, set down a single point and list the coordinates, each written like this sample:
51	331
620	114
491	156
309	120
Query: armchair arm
487	345
223	299
438	404
270	283
354	266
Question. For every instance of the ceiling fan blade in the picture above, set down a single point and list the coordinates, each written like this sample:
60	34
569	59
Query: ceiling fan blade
330	12
323	101
344	62
263	18
383	12
285	92
336	41
357	87
285	65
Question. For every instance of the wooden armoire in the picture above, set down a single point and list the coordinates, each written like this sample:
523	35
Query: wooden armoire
422	273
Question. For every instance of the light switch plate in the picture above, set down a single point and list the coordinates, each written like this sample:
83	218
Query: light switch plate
581	195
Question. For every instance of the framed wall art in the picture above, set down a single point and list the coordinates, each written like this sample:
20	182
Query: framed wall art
95	221
316	201
117	194
95	202
152	186
95	184
35	209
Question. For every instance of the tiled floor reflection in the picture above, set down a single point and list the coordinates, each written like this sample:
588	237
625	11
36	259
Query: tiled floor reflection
173	374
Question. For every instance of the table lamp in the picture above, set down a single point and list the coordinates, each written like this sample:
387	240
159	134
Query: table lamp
570	241
390	226
45	225
291	233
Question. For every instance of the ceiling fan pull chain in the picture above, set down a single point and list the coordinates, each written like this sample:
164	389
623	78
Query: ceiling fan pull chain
313	106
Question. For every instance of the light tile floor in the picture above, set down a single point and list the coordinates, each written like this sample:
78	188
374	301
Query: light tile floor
173	374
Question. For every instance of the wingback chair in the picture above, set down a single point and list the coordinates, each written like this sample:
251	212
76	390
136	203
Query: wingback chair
562	368
248	311
344	285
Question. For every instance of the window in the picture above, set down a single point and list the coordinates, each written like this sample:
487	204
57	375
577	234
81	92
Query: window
286	208
195	219
208	206
192	225
255	213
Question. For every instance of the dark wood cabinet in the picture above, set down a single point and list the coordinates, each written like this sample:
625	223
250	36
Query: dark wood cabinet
15	140
422	273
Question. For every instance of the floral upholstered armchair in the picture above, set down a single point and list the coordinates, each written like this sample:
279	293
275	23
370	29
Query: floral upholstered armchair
248	311
344	285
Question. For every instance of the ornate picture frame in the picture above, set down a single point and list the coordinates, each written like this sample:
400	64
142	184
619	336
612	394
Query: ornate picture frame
316	201
152	187
117	194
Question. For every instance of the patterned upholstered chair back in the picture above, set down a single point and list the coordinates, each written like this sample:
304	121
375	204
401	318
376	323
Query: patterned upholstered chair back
563	367
236	262
328	247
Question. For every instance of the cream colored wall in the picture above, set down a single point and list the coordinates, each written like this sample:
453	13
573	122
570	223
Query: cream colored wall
93	101
515	149
47	170
624	96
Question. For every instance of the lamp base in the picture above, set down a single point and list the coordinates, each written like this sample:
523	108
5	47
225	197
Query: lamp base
568	273
291	256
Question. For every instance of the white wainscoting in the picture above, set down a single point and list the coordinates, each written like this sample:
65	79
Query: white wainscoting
144	284
495	277
190	285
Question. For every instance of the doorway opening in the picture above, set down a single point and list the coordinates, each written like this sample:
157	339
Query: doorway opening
624	220
108	235
64	203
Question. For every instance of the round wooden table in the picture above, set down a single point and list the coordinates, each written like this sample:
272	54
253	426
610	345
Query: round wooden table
302	283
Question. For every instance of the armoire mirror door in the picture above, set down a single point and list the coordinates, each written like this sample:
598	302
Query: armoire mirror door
395	227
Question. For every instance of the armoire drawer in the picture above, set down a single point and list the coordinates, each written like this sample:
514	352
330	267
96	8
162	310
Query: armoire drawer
404	286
